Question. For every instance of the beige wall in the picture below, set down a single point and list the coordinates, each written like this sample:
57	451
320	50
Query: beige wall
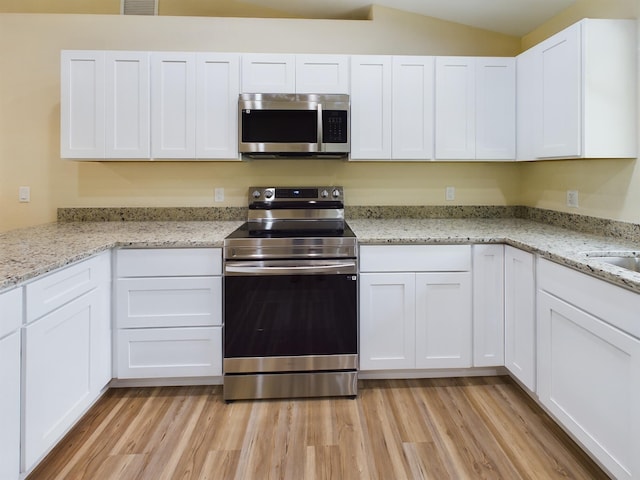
30	46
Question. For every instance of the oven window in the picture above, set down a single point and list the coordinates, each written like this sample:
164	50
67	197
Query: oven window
279	126
290	315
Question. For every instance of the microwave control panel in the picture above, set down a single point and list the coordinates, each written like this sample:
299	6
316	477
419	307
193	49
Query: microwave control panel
334	126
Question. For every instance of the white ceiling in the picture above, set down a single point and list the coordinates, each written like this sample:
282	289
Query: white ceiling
511	17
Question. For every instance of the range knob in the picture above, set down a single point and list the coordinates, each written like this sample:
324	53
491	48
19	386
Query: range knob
256	194
324	194
335	193
268	194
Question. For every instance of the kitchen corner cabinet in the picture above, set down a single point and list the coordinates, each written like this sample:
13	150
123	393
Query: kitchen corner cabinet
65	352
589	364
168	313
10	323
371	107
475	108
415	307
488	305
520	317
104	104
580	88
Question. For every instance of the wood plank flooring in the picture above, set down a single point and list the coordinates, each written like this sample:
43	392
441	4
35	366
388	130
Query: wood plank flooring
467	428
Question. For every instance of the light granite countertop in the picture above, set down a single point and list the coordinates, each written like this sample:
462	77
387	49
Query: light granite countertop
29	252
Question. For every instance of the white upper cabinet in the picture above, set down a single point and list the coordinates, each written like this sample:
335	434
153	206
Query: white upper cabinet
580	88
322	74
217	90
370	107
412	108
173	105
127	105
82	104
475	108
268	73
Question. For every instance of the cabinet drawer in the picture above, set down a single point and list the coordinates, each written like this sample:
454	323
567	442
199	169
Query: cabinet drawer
10	311
168	302
52	291
169	352
415	258
168	262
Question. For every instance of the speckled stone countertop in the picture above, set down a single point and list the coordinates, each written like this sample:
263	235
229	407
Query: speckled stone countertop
27	253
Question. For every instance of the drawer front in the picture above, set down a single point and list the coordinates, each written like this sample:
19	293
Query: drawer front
168	302
168	262
10	311
415	258
169	352
52	291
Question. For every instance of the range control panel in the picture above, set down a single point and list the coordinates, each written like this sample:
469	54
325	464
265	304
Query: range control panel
288	194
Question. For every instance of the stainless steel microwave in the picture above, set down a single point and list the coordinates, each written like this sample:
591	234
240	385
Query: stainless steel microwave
272	125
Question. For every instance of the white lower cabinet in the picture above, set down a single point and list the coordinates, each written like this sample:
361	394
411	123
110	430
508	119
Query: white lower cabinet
66	355
589	366
10	321
168	313
520	316
415	319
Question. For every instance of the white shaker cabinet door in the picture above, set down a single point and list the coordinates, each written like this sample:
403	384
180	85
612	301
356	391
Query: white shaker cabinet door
218	87
413	108
82	104
370	107
10	406
268	73
455	126
520	316
128	97
387	321
173	105
322	74
443	320
495	108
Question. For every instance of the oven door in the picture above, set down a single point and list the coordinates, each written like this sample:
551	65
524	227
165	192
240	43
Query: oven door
290	316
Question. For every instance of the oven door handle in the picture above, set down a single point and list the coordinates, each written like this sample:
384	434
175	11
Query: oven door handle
252	269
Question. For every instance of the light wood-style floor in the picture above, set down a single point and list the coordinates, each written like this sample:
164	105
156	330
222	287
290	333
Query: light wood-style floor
469	428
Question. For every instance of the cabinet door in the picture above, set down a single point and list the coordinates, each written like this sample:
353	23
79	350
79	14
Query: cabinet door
495	108
488	305
413	108
218	86
173	105
561	101
529	111
455	128
588	375
10	407
268	73
443	320
169	352
127	105
387	321
59	369
520	327
370	107
82	104
322	74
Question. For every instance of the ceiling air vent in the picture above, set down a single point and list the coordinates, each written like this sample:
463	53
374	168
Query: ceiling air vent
139	7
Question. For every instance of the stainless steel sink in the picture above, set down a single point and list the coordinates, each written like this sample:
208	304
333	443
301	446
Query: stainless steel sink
625	259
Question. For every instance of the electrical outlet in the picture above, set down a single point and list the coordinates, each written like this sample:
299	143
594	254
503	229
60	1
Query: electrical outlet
572	198
450	193
24	194
218	194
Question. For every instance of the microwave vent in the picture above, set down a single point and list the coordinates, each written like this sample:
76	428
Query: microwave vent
139	7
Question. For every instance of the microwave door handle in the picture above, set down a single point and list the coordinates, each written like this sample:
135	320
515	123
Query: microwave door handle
320	145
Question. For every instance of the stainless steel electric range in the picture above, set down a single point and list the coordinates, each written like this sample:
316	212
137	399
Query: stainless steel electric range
290	297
